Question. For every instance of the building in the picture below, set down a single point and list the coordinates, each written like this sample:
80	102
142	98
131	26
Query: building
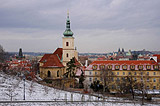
146	71
53	66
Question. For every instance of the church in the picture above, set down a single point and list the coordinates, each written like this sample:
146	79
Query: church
53	66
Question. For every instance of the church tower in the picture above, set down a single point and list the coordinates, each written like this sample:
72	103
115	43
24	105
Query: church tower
69	50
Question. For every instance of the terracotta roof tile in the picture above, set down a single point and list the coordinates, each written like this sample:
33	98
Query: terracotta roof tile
59	52
45	57
53	61
127	62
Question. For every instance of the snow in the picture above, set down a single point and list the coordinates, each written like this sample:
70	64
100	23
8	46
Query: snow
38	92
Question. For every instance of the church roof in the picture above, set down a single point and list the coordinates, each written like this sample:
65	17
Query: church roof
59	52
53	60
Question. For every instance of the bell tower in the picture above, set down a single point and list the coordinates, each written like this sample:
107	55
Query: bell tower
69	50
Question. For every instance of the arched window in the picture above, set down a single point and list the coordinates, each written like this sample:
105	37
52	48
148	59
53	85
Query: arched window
67	55
67	43
58	73
49	73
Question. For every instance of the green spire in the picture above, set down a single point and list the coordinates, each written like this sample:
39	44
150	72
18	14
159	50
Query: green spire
68	31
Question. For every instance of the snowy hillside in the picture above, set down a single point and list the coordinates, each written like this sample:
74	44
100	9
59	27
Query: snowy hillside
13	88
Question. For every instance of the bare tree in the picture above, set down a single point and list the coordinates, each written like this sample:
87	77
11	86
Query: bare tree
11	90
107	76
31	88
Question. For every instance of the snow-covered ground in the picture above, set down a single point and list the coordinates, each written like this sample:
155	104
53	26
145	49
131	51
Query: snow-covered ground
11	86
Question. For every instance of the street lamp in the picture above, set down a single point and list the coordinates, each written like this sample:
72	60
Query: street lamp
24	87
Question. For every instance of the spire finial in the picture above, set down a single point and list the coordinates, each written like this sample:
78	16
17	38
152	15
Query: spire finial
67	13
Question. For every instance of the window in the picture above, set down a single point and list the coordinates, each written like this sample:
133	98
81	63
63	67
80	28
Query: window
101	79
147	73
109	67
102	67
124	67
58	73
154	87
95	79
95	73
147	79
140	67
156	67
123	73
141	73
94	67
113	86
141	79
135	79
117	73
154	80
67	55
67	43
129	73
135	73
147	87
123	79
90	79
118	80
154	73
112	73
90	73
112	79
132	67
148	67
49	73
116	67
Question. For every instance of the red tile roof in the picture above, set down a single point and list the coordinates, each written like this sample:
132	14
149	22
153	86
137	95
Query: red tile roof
45	57
59	52
53	60
127	62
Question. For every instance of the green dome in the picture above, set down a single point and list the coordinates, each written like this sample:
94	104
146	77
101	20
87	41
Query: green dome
68	31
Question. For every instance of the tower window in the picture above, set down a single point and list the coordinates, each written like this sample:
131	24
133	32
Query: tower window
67	55
67	43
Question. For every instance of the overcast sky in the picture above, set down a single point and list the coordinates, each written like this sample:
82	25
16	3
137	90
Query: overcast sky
98	25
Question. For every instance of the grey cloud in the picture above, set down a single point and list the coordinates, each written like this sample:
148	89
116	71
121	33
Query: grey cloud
104	24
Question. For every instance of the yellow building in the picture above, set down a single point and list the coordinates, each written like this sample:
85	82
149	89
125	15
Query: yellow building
146	72
53	66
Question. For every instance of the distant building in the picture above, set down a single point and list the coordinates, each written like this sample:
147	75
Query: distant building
20	54
140	70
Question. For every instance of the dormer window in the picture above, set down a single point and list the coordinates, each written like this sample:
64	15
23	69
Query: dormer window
124	67
109	67
102	67
140	67
94	67
156	67
117	67
148	67
132	67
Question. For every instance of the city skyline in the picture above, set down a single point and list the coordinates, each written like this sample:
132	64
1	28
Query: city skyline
99	26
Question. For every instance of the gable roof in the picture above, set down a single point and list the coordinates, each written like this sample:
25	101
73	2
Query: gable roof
52	60
59	52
